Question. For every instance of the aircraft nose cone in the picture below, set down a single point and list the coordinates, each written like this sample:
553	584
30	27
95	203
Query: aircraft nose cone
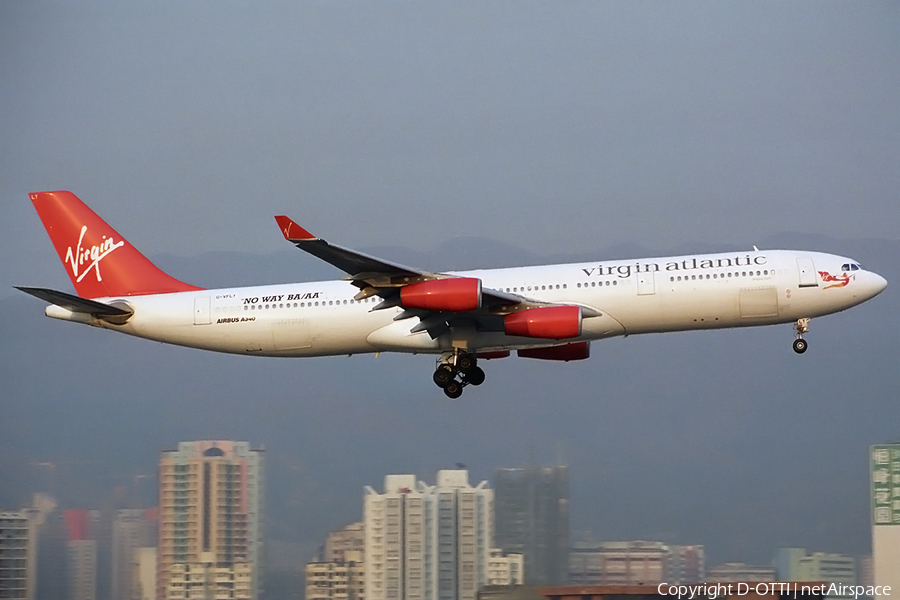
878	283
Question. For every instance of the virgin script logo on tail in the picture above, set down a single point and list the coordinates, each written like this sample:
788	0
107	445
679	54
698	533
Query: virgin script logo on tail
90	256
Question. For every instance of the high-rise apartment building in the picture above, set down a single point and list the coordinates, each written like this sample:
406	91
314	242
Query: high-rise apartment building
428	542
18	555
687	564
143	585
131	529
342	579
81	569
827	566
505	569
349	540
532	519
794	564
339	571
619	563
210	522
52	552
81	555
884	471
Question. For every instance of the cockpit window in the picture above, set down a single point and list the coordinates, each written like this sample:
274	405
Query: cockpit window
850	267
854	267
845	267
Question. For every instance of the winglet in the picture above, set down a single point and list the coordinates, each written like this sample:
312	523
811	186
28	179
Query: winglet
291	230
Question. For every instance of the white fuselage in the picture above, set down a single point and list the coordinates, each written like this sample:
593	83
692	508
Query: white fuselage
651	295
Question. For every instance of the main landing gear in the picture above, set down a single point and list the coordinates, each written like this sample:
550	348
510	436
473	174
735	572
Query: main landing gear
801	327
456	370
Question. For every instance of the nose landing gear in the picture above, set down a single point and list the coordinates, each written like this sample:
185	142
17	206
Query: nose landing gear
457	370
801	327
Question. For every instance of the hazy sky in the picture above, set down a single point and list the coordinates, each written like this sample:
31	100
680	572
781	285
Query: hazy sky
557	127
561	127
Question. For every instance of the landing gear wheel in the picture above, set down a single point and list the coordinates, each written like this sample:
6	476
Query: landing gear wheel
454	389
465	362
443	376
475	376
800	345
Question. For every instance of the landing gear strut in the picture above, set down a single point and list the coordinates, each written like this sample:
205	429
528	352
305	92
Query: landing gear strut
801	327
456	370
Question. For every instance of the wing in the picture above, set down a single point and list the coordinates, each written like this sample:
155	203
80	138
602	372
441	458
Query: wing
440	301
361	268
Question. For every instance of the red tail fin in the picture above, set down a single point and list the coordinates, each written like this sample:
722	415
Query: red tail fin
98	260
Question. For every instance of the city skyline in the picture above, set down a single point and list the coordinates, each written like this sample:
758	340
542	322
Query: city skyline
211	471
79	519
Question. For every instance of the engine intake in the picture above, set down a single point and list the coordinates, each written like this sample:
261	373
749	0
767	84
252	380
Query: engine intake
456	294
553	322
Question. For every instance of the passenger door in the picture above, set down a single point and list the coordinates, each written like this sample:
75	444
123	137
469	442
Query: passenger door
807	272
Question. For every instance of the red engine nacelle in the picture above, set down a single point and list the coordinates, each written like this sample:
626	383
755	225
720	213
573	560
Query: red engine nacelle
576	351
457	294
555	322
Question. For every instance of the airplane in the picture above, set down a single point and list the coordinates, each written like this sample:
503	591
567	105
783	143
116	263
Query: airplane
550	312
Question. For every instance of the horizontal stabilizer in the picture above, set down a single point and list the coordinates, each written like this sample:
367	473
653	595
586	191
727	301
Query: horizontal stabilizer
74	303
